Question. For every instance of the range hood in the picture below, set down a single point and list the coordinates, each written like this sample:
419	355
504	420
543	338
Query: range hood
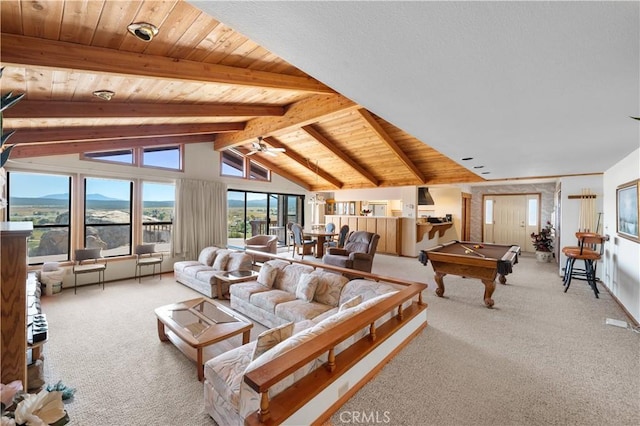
424	198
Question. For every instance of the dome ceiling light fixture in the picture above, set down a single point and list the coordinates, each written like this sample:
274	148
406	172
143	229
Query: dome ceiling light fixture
104	94
143	31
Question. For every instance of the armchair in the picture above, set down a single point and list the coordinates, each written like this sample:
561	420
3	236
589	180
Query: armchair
358	252
264	243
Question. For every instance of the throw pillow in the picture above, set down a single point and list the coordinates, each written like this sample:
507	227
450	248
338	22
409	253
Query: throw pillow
267	275
268	339
354	301
221	261
306	288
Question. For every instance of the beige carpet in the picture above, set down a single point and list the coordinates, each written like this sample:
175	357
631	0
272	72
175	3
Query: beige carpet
540	357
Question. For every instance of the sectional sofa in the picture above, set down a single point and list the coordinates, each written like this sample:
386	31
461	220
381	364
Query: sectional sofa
302	304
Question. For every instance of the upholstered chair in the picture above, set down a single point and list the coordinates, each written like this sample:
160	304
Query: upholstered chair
358	252
264	243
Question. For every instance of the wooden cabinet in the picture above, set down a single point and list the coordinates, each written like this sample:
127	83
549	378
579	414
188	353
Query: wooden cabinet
389	229
13	291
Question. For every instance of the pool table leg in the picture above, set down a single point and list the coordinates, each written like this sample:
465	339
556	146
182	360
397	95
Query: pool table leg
502	279
438	277
489	287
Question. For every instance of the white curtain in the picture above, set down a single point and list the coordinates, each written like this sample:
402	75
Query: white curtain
200	217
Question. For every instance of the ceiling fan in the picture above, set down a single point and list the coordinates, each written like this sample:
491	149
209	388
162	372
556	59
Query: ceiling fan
260	146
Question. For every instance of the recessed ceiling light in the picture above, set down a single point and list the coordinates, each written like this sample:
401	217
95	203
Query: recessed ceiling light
143	31
478	167
467	158
104	94
485	173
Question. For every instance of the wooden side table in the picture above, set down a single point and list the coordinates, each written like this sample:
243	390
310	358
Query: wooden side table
233	277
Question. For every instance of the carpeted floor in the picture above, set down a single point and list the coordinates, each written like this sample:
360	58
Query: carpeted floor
540	357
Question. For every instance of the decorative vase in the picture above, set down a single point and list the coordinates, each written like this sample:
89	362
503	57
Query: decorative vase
544	256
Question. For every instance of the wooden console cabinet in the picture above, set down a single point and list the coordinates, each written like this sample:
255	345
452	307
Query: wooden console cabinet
13	293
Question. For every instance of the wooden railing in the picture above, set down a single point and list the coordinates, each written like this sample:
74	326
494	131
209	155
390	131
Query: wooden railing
282	406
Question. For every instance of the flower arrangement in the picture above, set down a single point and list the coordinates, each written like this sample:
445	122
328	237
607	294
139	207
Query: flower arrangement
544	240
365	212
42	409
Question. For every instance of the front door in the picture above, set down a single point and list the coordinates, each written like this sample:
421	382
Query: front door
510	219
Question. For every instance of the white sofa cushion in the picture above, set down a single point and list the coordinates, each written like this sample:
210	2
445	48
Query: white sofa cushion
267	300
184	264
299	310
208	255
244	291
267	275
268	339
239	261
329	287
220	262
354	301
287	279
306	287
367	288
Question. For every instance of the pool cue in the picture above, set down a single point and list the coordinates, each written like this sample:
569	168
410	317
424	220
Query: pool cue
472	251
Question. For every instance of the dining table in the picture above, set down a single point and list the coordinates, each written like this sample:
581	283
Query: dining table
320	236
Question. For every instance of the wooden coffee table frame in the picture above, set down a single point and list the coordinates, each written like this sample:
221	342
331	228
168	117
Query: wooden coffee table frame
216	332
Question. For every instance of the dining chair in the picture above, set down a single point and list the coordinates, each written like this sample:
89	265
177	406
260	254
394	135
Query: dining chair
146	255
299	242
342	238
87	260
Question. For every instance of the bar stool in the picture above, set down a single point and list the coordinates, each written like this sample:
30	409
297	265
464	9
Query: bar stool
565	250
590	250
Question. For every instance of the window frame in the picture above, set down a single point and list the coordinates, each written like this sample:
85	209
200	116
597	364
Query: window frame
138	156
85	225
247	167
160	223
68	226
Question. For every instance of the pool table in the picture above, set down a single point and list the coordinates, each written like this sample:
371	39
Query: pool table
474	260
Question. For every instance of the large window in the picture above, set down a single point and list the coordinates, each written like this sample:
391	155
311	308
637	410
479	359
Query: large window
255	213
44	200
107	215
158	202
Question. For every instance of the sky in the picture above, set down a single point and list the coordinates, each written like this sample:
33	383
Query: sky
39	185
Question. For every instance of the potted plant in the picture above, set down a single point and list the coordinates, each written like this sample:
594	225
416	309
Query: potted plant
543	243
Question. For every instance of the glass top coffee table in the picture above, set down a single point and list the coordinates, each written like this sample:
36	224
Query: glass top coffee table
200	323
232	277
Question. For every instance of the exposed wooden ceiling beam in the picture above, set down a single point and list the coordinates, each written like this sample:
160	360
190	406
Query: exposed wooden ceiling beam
39	52
57	148
384	136
68	109
302	113
331	147
275	168
68	134
303	162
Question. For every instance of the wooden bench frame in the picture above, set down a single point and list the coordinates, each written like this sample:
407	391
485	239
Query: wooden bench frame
281	407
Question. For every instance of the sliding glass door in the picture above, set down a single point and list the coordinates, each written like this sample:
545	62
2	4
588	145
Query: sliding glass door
259	213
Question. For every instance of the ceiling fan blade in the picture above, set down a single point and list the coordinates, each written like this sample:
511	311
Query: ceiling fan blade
270	152
251	153
278	149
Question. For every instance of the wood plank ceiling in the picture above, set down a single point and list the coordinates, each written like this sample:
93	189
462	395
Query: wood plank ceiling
197	81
